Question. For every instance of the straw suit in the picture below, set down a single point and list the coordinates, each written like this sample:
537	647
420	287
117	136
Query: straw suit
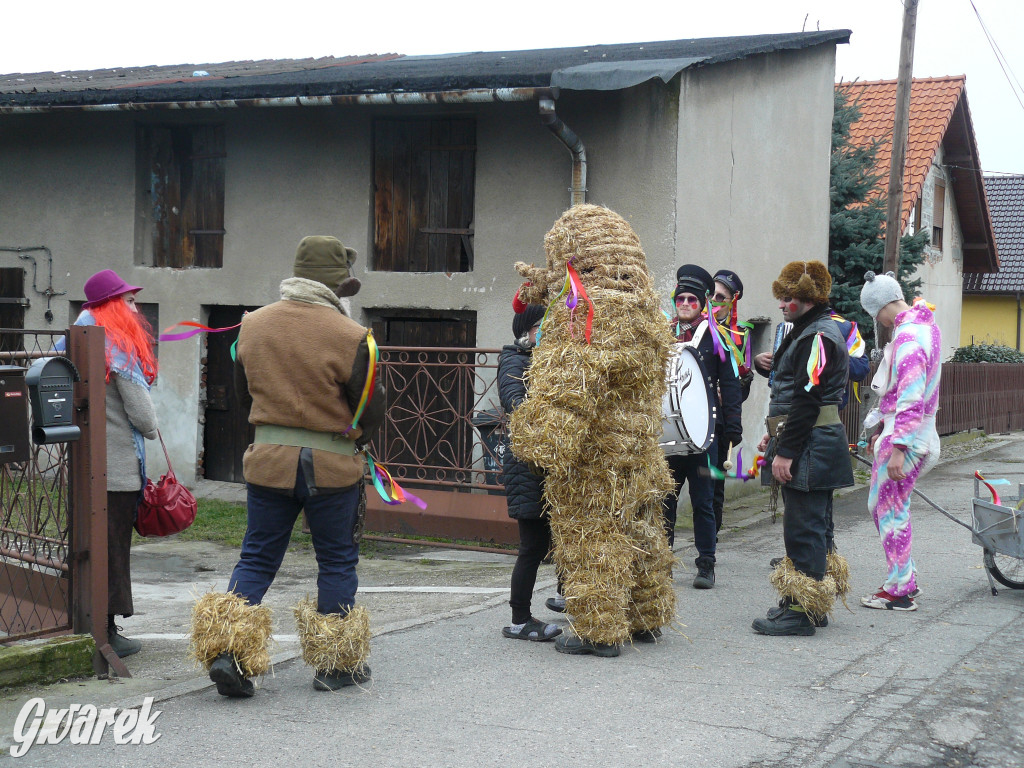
591	422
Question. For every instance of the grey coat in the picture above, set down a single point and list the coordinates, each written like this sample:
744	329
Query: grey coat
128	404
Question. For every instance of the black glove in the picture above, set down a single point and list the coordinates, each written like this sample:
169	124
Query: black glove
732	438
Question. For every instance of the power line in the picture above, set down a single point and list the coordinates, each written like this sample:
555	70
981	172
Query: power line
1003	64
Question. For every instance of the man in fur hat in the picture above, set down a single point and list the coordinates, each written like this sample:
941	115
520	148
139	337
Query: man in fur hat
301	365
806	446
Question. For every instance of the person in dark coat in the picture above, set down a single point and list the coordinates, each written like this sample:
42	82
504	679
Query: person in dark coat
524	488
693	287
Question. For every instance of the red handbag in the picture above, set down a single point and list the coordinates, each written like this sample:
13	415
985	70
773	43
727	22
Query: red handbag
167	506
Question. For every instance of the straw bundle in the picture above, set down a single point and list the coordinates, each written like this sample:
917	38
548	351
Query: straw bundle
816	597
226	622
332	641
837	567
592	420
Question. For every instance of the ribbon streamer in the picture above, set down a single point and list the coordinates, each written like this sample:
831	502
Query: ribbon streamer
371	380
815	363
398	495
988	484
197	328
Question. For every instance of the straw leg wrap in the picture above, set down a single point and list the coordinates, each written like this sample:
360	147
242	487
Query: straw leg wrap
652	599
333	642
227	622
816	597
837	567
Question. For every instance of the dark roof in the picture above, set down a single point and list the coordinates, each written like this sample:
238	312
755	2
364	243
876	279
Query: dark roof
379	73
1006	207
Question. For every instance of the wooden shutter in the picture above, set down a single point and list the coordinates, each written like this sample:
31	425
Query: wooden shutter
423	200
203	208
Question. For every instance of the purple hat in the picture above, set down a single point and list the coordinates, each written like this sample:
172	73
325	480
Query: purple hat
105	285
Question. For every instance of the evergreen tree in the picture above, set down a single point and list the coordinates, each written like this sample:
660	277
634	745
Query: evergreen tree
857	222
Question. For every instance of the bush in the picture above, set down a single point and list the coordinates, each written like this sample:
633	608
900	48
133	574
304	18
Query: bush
987	353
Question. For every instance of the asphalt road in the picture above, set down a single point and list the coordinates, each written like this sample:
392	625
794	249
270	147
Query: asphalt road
942	686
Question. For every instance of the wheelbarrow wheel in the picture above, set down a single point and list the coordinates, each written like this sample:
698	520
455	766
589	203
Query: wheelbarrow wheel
1007	570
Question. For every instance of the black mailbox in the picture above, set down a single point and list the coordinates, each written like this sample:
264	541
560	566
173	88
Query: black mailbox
51	382
14	445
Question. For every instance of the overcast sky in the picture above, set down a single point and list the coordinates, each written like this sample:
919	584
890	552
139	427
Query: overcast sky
59	35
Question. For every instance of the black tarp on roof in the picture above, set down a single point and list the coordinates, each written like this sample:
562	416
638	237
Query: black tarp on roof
392	73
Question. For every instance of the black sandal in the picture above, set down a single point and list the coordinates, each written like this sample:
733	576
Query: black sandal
534	630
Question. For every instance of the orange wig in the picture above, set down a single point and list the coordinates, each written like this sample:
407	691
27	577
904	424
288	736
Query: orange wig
128	331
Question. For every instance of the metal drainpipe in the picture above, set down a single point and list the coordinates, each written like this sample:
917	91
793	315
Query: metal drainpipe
1018	321
578	190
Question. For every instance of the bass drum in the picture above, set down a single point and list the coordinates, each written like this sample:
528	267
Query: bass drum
688	412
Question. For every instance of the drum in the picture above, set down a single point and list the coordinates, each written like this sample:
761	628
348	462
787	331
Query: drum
688	410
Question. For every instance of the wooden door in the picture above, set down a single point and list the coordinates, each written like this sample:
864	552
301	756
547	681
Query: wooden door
228	432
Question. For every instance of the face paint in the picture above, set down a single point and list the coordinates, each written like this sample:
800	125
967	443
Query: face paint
792	307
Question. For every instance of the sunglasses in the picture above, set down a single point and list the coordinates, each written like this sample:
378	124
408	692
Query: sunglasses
686	299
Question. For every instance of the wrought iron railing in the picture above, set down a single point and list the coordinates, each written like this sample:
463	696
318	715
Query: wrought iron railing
444	427
35	518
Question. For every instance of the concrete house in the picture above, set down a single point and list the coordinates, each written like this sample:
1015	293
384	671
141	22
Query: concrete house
943	192
992	302
441	171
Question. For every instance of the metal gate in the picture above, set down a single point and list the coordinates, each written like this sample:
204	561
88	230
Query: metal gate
53	511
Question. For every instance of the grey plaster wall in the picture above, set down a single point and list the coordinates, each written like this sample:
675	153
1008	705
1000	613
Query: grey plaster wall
753	179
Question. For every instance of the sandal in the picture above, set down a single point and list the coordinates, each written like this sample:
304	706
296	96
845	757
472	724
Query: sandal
534	630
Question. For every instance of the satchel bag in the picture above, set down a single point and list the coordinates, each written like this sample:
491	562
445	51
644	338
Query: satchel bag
167	506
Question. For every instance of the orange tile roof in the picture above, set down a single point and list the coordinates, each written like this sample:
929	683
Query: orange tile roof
932	101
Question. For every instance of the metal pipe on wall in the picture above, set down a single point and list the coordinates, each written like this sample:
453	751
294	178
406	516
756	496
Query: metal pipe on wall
578	190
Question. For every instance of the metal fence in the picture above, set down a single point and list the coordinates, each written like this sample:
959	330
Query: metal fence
35	520
444	427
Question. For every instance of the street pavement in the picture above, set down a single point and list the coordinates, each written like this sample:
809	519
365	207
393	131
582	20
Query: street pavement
942	686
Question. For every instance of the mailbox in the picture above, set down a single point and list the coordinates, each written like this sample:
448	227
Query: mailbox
51	382
14	445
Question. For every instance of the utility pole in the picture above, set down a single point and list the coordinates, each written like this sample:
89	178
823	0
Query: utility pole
893	217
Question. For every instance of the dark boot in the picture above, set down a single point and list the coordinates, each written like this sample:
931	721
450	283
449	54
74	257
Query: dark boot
577	646
646	635
229	678
705	578
335	679
793	620
122	645
778	610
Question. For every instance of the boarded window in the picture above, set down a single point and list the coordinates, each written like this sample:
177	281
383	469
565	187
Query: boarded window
181	199
12	307
938	211
423	194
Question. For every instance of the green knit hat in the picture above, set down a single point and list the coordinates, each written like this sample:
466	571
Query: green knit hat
323	259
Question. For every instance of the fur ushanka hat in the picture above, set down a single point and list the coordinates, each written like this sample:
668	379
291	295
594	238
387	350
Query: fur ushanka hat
805	281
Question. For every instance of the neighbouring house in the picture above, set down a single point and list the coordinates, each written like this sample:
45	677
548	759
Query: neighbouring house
197	182
943	192
992	301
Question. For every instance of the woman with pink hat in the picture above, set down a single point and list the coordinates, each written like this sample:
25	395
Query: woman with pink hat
131	369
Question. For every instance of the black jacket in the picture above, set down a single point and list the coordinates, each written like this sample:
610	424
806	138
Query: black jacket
524	490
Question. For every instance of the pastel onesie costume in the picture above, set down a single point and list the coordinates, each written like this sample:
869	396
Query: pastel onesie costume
908	384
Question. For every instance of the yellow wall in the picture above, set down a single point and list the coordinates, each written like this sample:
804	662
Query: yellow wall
989	320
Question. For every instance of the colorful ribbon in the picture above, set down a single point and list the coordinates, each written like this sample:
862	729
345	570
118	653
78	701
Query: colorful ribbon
398	495
197	328
816	363
738	473
572	290
988	484
371	380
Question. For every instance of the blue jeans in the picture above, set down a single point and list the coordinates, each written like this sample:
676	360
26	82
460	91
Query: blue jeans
693	470
272	514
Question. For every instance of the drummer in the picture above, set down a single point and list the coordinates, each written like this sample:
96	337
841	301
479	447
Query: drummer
694	287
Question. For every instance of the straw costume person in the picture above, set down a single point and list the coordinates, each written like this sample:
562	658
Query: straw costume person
302	365
902	428
806	447
591	422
